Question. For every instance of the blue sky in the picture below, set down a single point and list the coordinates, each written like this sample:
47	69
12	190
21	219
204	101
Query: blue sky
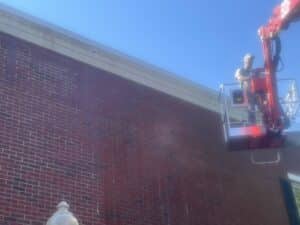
200	40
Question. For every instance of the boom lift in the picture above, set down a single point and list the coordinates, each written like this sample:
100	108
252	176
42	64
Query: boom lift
274	113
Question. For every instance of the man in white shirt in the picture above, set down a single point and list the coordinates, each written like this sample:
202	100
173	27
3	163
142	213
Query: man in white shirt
243	75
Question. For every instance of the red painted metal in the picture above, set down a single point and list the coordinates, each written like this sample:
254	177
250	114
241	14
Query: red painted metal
284	14
258	84
272	109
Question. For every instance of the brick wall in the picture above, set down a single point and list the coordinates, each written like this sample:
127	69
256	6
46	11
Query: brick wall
118	152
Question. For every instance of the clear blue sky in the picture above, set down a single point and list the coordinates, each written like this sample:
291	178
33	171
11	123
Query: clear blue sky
201	40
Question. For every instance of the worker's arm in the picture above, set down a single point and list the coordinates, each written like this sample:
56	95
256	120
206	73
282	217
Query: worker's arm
258	72
240	76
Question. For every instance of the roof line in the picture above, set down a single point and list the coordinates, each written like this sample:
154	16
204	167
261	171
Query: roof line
65	42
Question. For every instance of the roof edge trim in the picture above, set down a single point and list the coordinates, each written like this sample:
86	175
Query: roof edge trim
43	34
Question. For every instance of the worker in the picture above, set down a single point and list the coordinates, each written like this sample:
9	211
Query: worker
243	75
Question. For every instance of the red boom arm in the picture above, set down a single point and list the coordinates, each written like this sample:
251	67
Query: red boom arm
284	14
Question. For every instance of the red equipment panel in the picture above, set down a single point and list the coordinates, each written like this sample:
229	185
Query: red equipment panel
258	84
246	143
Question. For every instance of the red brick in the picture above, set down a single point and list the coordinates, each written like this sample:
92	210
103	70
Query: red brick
118	152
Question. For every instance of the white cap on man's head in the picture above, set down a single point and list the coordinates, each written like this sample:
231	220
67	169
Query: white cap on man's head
248	56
